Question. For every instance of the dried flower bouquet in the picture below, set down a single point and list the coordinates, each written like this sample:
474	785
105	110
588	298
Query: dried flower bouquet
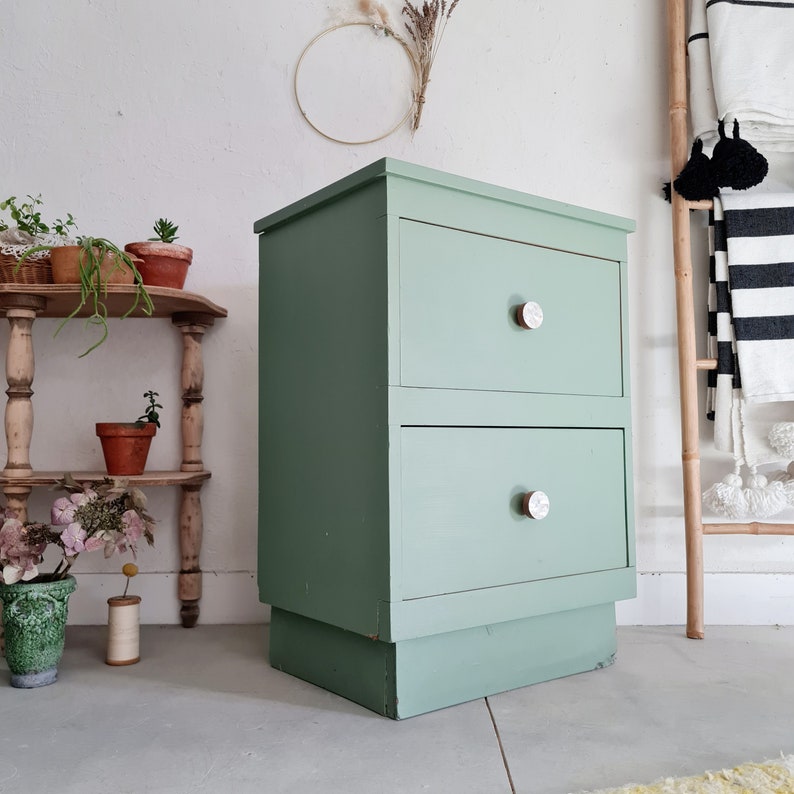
106	515
425	25
426	28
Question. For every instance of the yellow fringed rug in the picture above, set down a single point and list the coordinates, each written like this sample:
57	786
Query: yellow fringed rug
770	777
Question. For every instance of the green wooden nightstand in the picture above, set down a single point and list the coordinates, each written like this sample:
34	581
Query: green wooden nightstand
440	360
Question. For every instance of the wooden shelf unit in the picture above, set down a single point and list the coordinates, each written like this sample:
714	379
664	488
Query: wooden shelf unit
42	479
192	315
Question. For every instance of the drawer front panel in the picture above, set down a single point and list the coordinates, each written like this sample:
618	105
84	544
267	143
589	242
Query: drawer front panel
459	293
462	493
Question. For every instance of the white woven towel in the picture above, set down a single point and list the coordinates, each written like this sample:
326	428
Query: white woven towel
741	62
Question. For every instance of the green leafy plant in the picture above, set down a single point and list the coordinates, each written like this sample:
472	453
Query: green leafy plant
150	414
165	231
94	284
62	227
26	215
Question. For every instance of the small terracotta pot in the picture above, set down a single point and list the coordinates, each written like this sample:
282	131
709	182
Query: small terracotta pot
125	445
65	261
164	264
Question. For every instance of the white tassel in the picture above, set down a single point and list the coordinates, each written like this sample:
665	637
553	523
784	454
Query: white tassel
786	480
761	498
727	498
765	499
781	439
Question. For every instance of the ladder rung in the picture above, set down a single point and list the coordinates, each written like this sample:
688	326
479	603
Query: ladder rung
705	204
706	363
754	528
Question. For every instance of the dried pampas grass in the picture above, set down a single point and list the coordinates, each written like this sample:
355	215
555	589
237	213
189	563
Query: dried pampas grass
377	12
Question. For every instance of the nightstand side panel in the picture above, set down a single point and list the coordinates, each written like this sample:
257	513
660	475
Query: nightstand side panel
324	502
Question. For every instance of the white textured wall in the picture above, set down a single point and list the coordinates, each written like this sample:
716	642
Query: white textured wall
121	112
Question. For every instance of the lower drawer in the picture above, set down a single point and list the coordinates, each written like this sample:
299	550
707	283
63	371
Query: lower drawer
462	491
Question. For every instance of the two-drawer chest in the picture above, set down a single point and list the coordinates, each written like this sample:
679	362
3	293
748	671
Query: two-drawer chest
445	493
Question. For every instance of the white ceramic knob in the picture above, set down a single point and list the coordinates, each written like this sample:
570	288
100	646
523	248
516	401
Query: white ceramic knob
536	505
530	315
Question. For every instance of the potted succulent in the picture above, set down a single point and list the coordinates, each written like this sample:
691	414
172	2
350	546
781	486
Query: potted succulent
93	263
29	231
106	515
125	445
165	264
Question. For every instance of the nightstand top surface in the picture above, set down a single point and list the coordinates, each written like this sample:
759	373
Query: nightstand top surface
388	167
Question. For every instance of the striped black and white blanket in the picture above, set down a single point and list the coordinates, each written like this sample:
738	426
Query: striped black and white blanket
741	65
751	322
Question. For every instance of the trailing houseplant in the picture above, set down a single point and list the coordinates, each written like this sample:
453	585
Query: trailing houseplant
93	263
164	263
25	230
106	515
125	445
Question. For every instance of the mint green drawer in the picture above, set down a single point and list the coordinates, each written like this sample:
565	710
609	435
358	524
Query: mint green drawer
458	297
462	489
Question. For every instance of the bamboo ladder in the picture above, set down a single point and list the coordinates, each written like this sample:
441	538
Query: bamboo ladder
688	363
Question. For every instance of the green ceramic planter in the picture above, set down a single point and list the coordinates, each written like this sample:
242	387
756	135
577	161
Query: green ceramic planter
34	620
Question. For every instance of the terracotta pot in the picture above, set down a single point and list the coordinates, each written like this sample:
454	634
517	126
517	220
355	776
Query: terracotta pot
125	445
164	264
65	261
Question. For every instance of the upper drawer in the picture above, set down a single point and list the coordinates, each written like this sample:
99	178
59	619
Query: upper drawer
462	492
458	298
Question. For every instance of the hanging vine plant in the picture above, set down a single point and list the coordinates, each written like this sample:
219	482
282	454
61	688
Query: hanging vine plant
94	263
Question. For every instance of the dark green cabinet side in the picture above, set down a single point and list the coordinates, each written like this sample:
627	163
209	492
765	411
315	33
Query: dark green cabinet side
323	446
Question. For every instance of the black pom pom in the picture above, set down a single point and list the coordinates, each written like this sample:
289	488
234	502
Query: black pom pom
696	180
736	162
666	192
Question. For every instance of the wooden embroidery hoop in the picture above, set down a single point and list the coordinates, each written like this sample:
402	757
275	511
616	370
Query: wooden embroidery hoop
389	33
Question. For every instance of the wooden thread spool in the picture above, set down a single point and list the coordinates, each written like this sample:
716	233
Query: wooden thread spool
124	630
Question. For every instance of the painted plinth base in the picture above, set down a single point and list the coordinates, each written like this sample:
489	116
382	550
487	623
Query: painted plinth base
415	676
33	680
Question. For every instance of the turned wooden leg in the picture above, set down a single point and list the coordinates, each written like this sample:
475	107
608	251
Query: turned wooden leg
21	311
191	527
192	325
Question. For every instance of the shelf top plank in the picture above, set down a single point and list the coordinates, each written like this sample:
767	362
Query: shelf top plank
62	298
42	478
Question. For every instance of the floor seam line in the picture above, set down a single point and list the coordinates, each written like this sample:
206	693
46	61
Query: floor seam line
501	747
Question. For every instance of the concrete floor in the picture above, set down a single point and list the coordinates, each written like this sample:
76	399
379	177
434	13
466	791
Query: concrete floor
204	712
